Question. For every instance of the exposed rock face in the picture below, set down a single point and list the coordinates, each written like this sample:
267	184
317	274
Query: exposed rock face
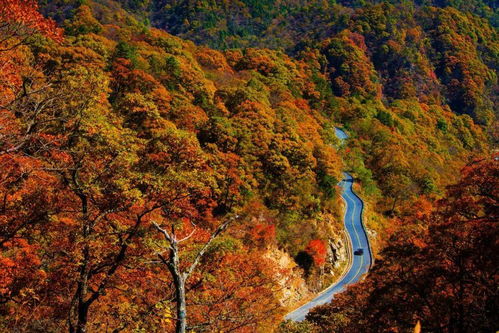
336	252
289	277
371	233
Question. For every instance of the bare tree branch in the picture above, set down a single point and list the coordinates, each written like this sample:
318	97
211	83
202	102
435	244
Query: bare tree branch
214	235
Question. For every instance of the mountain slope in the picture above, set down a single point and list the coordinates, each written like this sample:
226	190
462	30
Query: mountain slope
119	130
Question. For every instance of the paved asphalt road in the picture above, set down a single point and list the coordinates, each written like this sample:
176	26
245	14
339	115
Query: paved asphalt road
358	237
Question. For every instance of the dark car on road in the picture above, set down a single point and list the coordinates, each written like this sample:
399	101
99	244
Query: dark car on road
359	252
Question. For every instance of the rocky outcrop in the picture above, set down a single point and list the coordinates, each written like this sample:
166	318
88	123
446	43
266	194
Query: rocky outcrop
336	253
293	287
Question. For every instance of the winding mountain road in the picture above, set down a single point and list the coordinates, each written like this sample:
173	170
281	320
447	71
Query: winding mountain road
360	264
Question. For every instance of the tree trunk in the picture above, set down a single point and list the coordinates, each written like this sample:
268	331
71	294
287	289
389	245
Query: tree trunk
181	306
392	212
81	311
179	279
179	282
179	276
81	325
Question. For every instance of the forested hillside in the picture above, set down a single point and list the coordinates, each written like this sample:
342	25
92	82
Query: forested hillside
244	23
112	128
438	53
139	168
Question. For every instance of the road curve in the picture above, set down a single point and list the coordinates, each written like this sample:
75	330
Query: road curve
360	264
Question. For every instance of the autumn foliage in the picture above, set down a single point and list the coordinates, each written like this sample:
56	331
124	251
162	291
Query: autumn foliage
316	248
126	151
102	141
21	17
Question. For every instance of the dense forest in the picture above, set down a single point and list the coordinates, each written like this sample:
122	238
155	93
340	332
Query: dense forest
172	165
